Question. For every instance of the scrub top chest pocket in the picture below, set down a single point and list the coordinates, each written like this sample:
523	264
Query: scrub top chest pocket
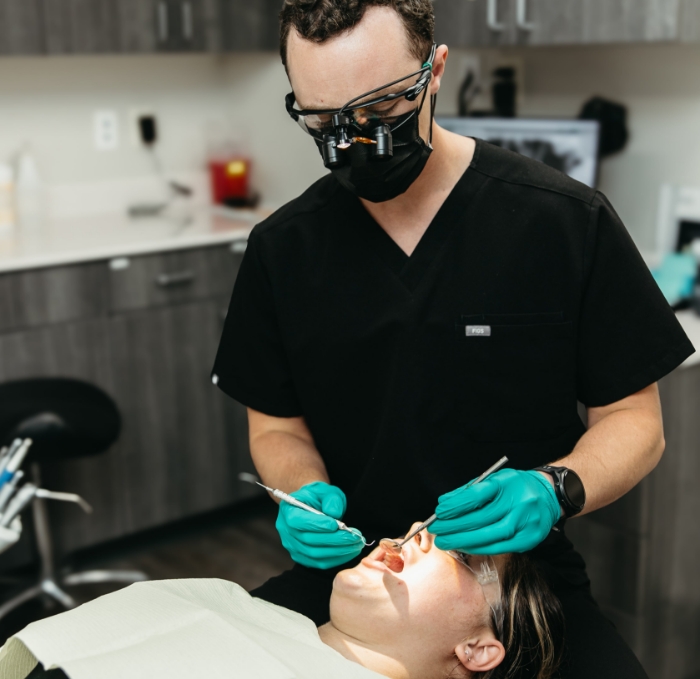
516	375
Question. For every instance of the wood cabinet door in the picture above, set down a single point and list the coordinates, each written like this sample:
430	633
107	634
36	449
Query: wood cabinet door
549	22
80	26
177	25
20	27
177	457
613	21
475	23
249	24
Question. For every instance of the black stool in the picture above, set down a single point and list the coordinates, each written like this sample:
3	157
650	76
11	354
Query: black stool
65	418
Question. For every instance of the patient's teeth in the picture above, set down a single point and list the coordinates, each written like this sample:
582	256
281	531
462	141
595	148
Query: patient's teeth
393	559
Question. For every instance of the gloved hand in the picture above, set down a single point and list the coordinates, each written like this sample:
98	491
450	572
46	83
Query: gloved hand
510	511
313	540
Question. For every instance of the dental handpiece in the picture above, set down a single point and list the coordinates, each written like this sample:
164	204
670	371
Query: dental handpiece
21	499
7	490
492	469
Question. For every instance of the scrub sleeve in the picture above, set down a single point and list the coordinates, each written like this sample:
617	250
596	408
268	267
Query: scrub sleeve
326	307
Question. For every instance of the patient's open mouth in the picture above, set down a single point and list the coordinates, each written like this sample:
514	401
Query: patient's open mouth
393	559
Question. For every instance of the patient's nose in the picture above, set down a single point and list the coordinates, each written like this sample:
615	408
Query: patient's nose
423	539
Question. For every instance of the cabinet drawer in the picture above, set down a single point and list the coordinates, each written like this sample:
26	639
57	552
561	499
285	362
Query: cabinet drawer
173	277
55	295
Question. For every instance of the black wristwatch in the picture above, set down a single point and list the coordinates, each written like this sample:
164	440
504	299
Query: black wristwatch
569	488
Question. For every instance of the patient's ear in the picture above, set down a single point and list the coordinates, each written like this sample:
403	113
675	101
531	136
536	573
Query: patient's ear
481	653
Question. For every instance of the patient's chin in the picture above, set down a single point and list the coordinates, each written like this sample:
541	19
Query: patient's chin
349	580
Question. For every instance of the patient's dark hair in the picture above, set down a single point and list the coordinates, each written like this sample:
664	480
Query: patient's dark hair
321	20
533	623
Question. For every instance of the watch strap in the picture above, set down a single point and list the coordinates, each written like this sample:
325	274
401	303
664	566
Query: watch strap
559	474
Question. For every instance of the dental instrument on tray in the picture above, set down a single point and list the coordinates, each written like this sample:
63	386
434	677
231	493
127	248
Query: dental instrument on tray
15	459
8	489
284	497
26	494
395	546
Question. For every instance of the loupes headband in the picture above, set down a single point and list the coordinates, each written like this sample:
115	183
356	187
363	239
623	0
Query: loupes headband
352	123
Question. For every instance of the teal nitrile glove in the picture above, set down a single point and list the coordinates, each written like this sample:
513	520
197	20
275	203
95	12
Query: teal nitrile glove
510	511
313	540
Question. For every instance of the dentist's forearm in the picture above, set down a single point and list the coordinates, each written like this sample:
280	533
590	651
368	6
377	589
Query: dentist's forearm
283	452
622	445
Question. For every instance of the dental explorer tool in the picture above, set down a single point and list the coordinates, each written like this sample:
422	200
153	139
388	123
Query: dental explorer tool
284	497
493	468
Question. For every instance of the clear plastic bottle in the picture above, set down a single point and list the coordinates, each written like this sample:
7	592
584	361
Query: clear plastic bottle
30	192
7	199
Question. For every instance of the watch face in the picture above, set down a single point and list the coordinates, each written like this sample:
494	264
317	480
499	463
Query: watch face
574	489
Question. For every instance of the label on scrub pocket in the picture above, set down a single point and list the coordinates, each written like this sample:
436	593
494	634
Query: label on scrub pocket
478	331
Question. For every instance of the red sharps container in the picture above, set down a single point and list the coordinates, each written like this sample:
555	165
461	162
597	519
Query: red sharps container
230	180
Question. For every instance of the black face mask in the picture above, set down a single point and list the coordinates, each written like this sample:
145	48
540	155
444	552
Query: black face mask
379	180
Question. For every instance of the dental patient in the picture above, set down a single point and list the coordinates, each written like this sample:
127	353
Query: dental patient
428	615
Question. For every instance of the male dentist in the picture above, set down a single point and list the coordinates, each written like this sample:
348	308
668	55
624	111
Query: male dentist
434	303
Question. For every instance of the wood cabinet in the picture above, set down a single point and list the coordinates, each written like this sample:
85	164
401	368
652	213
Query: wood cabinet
642	551
80	26
151	347
476	23
20	27
136	26
250	24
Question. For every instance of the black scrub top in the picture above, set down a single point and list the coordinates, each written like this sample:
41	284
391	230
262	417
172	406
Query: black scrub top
415	374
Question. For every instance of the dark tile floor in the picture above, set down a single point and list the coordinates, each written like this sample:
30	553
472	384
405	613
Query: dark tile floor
238	544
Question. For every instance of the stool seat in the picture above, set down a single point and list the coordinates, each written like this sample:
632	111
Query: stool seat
65	418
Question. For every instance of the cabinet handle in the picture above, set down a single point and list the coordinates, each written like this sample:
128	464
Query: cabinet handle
521	17
492	16
170	280
187	24
163	29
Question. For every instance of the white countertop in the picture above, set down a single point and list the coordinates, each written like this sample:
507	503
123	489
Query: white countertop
95	237
691	324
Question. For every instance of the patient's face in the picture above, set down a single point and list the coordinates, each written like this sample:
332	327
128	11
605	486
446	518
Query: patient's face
434	600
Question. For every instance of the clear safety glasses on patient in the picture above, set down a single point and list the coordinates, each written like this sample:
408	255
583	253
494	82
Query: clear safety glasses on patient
486	573
359	121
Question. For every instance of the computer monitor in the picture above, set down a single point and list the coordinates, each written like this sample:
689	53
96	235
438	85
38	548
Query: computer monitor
570	146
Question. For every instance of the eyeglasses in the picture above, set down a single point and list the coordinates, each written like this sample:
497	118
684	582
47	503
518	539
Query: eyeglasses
360	112
484	569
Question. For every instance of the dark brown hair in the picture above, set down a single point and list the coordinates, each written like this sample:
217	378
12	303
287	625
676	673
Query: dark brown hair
320	20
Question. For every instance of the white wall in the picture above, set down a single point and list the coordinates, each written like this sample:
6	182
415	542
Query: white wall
659	84
51	101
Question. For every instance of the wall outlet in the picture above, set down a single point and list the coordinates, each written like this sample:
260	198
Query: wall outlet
105	125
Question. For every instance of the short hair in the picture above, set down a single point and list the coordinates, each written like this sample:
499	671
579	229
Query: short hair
321	20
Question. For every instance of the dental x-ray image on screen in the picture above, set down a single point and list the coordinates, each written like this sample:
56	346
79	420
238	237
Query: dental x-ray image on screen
570	146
